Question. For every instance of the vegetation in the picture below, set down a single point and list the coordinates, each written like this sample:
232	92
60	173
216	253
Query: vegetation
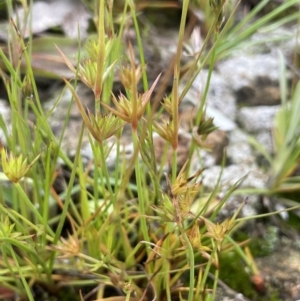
127	233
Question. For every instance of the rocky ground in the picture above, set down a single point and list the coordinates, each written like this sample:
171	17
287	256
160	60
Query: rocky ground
243	98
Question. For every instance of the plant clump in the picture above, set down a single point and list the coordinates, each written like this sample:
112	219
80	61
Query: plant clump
127	232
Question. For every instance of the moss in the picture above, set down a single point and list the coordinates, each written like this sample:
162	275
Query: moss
274	295
266	245
294	221
163	17
234	273
43	291
260	246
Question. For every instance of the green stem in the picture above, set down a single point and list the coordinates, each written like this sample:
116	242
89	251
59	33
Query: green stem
185	8
100	56
33	209
47	189
204	97
140	47
243	255
141	192
112	227
106	175
216	277
68	197
207	268
174	165
191	260
211	67
166	263
84	203
25	284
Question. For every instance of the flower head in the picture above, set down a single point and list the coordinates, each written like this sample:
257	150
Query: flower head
105	126
101	127
131	110
194	236
186	185
217	231
15	168
217	7
200	133
130	77
164	130
7	230
68	248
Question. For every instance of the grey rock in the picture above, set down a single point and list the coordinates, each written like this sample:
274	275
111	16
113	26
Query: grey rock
265	139
204	159
282	39
57	118
220	95
5	112
244	70
254	78
220	102
69	14
257	119
126	153
240	153
220	120
251	208
238	136
254	178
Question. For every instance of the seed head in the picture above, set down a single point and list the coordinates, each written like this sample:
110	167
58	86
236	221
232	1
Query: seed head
15	168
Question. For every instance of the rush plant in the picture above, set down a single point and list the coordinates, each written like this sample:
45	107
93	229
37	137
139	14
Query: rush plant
121	233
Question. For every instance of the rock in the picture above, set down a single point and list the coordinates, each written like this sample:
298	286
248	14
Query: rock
184	141
239	151
68	14
5	112
261	92
254	78
244	69
257	119
220	94
58	117
254	178
281	269
283	39
204	159
223	114
217	140
251	208
126	153
264	138
220	120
